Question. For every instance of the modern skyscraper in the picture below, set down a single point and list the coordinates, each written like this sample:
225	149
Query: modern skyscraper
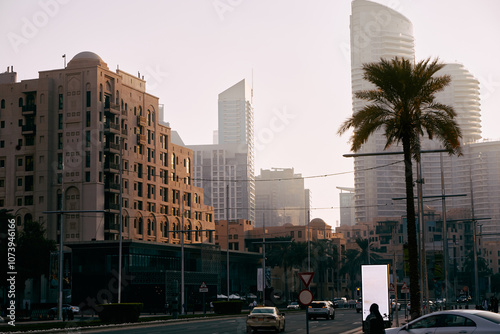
378	31
229	164
280	198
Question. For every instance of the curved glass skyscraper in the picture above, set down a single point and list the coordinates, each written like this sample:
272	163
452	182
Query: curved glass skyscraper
377	32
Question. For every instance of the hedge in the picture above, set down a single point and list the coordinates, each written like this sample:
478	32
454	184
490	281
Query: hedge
228	307
120	313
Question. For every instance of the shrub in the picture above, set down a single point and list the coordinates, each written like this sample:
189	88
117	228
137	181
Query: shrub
120	313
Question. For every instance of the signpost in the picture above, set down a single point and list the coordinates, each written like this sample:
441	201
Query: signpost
306	296
405	290
204	290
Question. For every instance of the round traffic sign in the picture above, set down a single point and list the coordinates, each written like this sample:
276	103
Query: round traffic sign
305	297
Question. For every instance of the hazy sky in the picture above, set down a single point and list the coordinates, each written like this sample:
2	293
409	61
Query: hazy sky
298	51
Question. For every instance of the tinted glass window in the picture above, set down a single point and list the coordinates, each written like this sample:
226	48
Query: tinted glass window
450	320
426	322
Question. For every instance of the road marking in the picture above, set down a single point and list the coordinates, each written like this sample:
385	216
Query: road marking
355	330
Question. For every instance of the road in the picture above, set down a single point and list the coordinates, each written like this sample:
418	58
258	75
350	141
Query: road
346	321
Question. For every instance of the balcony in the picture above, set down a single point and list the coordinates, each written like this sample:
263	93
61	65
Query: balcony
112	186
112	127
111	167
112	147
124	132
29	129
111	108
111	227
141	120
141	139
124	113
111	206
29	110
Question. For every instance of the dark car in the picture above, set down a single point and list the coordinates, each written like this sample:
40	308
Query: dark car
359	305
69	309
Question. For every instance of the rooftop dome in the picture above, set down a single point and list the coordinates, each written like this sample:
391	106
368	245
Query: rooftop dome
318	221
86	59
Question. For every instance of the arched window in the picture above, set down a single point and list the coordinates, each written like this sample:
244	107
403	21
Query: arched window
197	234
189	232
21	102
149	227
140	226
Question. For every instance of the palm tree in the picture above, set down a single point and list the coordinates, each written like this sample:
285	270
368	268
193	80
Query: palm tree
403	104
367	255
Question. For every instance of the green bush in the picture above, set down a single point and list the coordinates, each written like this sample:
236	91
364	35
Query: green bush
228	307
120	313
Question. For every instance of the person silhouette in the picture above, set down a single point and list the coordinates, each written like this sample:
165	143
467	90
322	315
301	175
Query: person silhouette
374	322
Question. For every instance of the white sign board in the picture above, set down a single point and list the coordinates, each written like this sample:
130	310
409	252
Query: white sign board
375	289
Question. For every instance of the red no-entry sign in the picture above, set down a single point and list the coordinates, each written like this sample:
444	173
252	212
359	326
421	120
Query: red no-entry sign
305	297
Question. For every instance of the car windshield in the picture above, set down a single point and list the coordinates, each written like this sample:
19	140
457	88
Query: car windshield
263	310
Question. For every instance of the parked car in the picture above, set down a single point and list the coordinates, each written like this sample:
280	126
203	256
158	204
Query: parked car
53	312
293	306
453	321
359	305
321	309
394	305
464	299
265	317
339	302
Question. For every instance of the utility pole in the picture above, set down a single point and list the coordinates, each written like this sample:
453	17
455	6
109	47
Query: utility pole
445	233
227	237
474	249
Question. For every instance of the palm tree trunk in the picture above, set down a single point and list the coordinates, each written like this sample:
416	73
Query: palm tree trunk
411	234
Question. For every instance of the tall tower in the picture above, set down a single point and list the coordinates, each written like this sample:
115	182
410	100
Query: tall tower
377	32
229	164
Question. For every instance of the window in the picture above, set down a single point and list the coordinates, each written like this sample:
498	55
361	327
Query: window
60	141
2	124
29	164
2	183
87	176
60	122
60	101
88	118
87	159
28	200
299	233
88	98
2	104
28	183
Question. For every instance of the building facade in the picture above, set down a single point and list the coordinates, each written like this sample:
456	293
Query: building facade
280	198
87	140
226	170
378	32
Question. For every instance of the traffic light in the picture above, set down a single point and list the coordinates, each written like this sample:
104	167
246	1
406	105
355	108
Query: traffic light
358	292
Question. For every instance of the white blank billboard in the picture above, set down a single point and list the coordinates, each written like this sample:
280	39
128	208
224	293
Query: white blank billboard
375	289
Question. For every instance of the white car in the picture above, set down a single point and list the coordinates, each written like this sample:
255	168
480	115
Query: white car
293	306
265	317
321	309
454	321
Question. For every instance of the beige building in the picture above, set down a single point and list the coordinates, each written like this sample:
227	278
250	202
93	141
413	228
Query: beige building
71	136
